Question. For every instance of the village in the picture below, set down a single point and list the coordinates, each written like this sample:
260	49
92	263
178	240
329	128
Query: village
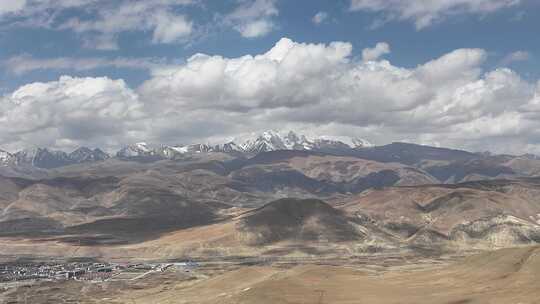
85	271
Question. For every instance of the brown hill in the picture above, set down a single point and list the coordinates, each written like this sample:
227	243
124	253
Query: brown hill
92	197
488	213
119	202
298	220
304	173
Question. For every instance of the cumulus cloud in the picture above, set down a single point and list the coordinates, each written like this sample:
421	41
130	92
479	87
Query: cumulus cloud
320	17
248	82
70	110
320	88
425	13
253	19
376	52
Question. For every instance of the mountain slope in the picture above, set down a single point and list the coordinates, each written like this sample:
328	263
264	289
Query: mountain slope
84	154
487	214
298	220
300	173
412	154
6	158
49	159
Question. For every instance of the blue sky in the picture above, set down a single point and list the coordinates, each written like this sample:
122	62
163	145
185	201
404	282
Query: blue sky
144	44
501	33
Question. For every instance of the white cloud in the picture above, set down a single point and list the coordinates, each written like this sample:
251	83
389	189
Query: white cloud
516	56
103	20
425	13
320	88
254	9
11	6
256	28
253	18
320	17
453	69
25	63
375	53
171	28
76	110
104	42
167	27
100	23
248	82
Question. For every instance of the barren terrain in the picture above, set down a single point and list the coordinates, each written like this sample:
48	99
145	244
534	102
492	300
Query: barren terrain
503	276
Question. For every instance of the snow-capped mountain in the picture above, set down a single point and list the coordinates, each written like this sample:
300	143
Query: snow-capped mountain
45	158
275	140
251	144
6	158
42	158
136	150
267	141
229	147
171	151
84	154
351	142
144	150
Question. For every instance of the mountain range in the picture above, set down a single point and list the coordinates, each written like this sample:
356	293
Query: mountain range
255	143
268	194
47	159
441	164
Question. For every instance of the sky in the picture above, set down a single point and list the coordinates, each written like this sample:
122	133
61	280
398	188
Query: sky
100	73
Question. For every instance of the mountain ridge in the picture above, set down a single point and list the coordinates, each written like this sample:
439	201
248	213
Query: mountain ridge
446	165
266	141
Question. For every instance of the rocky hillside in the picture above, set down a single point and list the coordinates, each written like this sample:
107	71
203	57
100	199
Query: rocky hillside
299	220
343	203
475	214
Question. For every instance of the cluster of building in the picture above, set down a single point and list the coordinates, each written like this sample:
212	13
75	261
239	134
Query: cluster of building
20	272
83	271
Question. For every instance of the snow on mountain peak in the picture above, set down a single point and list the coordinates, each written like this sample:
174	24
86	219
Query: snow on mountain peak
272	140
85	154
5	157
135	150
360	142
352	142
143	146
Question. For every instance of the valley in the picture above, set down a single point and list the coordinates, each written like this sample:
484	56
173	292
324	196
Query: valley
502	276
